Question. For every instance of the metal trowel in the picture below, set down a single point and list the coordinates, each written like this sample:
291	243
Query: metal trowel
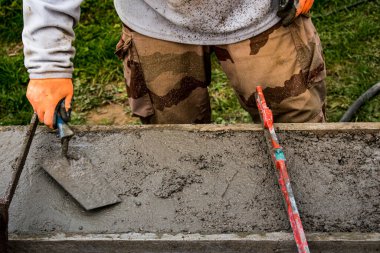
76	174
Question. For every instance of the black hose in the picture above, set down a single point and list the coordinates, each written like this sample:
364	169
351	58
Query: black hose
373	91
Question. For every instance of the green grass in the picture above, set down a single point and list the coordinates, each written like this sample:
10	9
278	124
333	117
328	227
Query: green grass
14	107
224	103
351	40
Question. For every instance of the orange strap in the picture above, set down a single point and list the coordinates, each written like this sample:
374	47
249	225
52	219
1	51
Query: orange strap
304	6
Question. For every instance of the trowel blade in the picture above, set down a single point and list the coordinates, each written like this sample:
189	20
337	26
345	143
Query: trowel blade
82	181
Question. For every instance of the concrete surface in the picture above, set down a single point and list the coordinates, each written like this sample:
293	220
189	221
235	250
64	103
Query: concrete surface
203	179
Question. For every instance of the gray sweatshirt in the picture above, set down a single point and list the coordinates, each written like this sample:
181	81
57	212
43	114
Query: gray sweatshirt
48	26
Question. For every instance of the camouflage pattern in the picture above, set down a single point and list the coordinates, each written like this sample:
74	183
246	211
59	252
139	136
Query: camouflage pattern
167	81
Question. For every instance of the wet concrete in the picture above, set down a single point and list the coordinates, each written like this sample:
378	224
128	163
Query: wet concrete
203	179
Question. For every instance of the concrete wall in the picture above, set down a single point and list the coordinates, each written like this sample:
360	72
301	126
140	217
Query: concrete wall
203	179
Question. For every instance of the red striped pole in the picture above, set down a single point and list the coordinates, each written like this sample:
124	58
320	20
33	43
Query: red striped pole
278	158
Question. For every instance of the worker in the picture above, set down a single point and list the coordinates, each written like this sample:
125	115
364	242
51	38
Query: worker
165	47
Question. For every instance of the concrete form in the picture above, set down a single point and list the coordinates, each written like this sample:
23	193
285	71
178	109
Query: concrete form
208	188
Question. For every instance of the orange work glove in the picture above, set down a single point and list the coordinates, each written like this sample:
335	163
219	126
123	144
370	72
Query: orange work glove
290	9
45	94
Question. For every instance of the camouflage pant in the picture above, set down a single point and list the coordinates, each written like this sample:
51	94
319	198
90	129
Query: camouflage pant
167	82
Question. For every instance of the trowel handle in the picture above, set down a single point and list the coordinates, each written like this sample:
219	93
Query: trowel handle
64	131
61	118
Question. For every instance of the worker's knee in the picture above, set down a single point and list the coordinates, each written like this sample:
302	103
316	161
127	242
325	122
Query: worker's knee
309	106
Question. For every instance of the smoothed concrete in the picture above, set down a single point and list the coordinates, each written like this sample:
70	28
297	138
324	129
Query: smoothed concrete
204	179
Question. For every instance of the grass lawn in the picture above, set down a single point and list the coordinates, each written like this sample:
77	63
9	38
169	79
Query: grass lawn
349	29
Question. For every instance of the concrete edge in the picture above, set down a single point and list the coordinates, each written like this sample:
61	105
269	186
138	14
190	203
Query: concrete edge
194	243
153	237
323	127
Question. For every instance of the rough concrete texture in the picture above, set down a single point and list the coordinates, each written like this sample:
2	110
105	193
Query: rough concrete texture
203	179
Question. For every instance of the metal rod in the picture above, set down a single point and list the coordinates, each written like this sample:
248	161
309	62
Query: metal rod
20	162
278	158
65	146
3	228
9	193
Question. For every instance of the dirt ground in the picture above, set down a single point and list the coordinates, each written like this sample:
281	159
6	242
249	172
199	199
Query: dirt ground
111	114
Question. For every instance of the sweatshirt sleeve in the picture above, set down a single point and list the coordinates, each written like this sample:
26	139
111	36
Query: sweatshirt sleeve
48	35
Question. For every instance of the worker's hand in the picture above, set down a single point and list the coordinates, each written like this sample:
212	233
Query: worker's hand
290	9
45	94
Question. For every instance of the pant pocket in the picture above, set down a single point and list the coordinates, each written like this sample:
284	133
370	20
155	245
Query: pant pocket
309	50
138	93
